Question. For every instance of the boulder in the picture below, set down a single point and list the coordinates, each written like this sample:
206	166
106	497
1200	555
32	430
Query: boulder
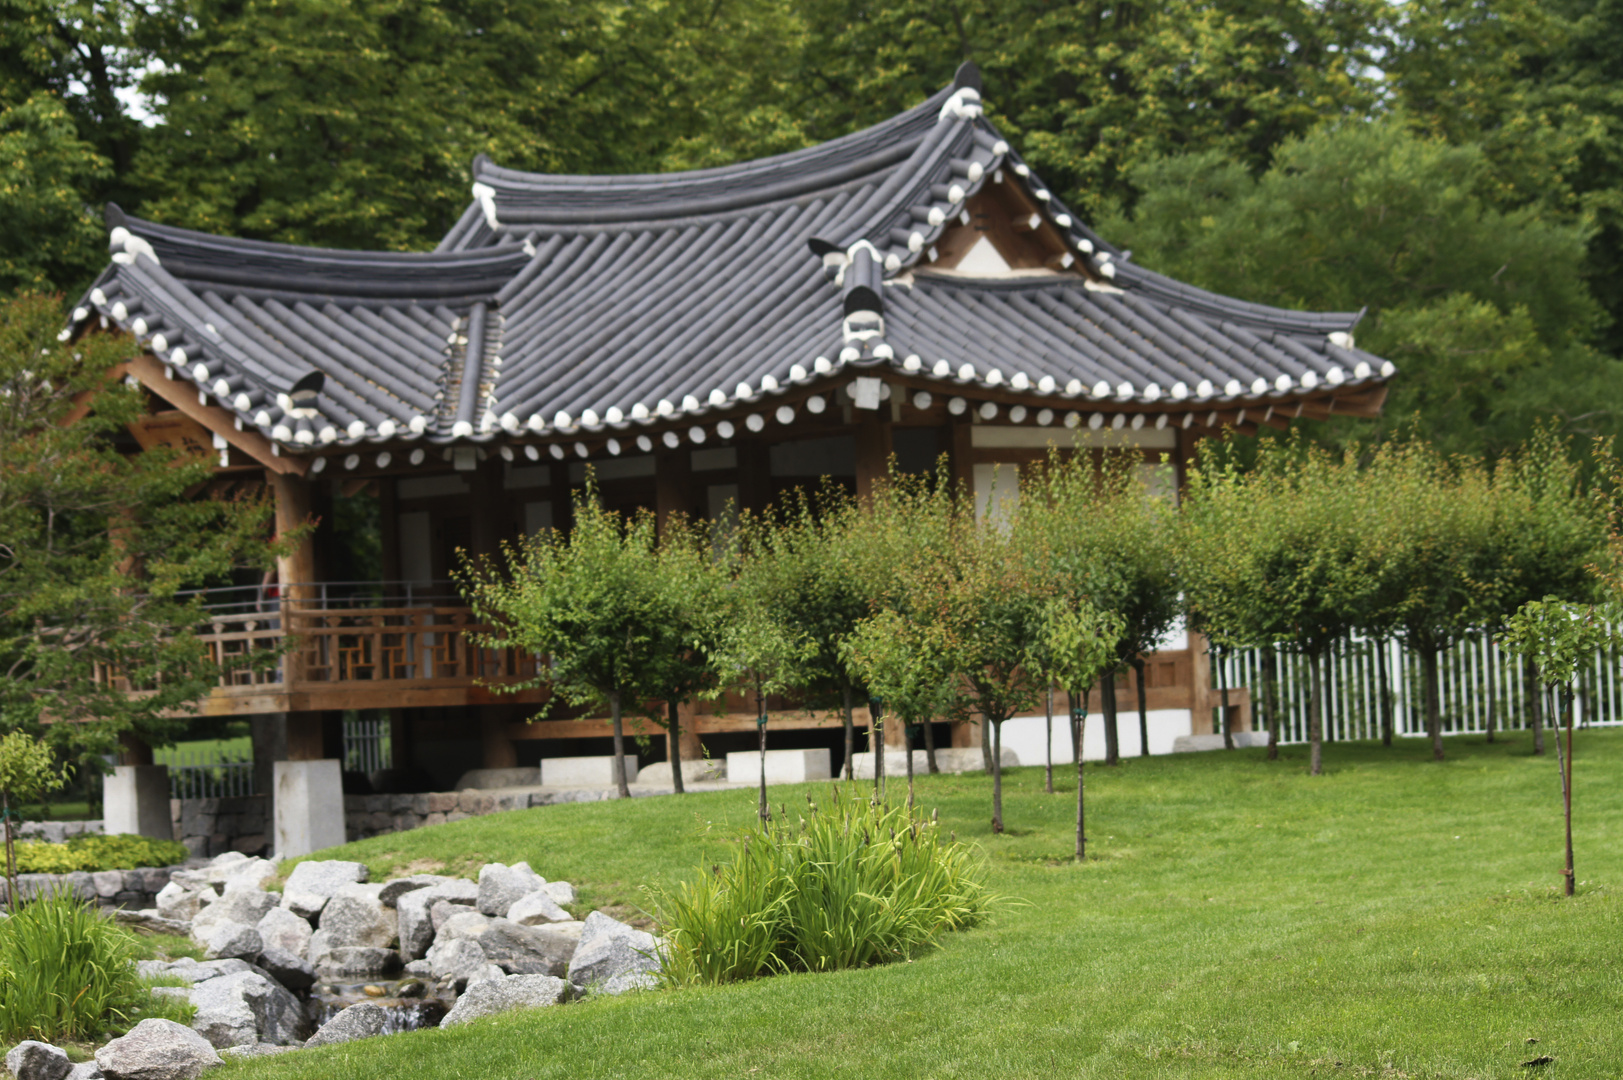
537	908
288	968
177	902
419	969
192	971
464	924
312	884
241	874
360	1021
281	929
157	1050
501	885
353	962
613	957
30	1060
234	940
562	893
245	906
500	995
354	916
86	1070
394	889
530	950
446	909
149	919
456	961
248	1007
416	926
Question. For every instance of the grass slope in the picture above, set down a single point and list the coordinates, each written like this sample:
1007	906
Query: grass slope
1238	918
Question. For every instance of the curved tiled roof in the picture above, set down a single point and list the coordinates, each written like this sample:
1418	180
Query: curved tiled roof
563	304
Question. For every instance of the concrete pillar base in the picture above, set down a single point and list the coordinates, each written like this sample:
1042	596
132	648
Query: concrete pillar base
136	800
309	807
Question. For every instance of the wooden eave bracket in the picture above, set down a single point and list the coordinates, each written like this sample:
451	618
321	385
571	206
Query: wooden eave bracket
152	375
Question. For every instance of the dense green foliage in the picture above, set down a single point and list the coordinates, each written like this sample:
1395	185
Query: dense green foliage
853	882
125	852
68	973
1452	165
1234	919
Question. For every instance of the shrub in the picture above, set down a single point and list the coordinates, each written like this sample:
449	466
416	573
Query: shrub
97	853
66	972
853	883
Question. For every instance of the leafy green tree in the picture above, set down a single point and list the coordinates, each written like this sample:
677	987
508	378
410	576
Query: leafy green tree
46	170
99	547
905	662
28	770
1075	648
1484	310
589	602
1560	637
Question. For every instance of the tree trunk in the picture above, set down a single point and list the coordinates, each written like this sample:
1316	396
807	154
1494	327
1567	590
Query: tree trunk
673	714
930	765
1107	709
997	776
1079	720
1270	699
1315	728
1535	704
986	744
1563	765
1431	691
1143	710
1493	698
1383	682
1048	745
1223	701
907	748
12	899
876	739
619	747
760	726
850	735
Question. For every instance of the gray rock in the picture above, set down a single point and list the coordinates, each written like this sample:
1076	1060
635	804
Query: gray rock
157	1050
312	884
416	926
613	957
530	950
281	929
446	909
500	995
456	961
85	1070
245	906
393	890
149	919
357	962
251	874
234	940
354	916
500	885
193	971
30	1060
360	1021
537	908
177	902
248	1007
562	893
419	969
288	968
464	924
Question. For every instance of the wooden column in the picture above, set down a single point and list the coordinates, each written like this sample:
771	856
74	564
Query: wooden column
687	714
563	500
1200	673
498	748
873	439
305	738
754	476
489	512
961	452
389	526
133	750
673	483
294	499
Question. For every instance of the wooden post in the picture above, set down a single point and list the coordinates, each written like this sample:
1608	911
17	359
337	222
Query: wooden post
132	750
962	454
873	449
489	510
389	526
563	500
294	501
498	748
673	484
1200	668
754	479
305	738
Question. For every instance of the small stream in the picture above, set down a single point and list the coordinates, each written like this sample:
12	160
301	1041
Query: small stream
409	1004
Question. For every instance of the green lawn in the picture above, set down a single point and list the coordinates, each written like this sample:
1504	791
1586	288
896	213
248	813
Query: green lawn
1391	918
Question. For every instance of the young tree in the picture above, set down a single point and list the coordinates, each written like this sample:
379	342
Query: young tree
100	544
590	603
1560	637
1076	648
906	662
28	770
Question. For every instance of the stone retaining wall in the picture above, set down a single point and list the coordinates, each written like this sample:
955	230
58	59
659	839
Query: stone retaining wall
375	815
210	827
133	889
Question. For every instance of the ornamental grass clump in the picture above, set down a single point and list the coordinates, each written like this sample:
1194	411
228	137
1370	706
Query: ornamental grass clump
67	973
853	882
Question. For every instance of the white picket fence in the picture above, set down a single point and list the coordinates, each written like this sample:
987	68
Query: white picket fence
1465	674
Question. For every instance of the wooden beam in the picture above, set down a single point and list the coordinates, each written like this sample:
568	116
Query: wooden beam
873	448
154	376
